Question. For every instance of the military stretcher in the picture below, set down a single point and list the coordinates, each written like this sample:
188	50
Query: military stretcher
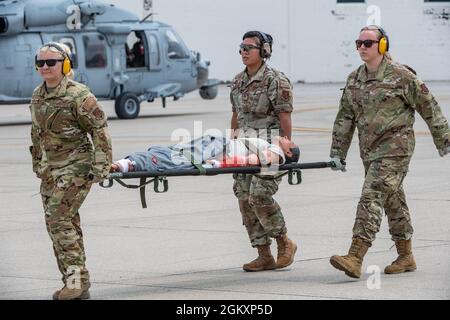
161	183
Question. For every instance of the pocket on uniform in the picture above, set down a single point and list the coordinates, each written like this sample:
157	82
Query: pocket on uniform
53	121
61	121
260	103
387	174
354	92
396	164
263	104
245	102
390	99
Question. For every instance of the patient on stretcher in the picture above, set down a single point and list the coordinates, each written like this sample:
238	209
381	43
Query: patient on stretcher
211	152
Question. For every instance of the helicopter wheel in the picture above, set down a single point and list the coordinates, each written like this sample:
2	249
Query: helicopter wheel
208	93
127	106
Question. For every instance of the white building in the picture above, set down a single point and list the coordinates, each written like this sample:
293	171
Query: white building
313	39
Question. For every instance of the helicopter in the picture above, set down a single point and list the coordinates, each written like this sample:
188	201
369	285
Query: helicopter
117	55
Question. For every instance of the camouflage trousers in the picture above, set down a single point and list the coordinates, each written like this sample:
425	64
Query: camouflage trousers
261	214
62	199
383	190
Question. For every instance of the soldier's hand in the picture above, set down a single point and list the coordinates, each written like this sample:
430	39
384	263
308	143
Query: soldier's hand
444	151
337	164
99	173
96	178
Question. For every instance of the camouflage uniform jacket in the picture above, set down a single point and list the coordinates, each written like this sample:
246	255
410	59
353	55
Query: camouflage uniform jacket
259	100
61	121
382	106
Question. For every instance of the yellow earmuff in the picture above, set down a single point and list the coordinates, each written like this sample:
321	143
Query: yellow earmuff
66	66
383	45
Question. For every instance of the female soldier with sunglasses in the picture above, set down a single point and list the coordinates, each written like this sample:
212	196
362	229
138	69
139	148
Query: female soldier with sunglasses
65	119
380	99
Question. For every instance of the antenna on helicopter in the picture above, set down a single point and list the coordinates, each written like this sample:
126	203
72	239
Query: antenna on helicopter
148	8
146	17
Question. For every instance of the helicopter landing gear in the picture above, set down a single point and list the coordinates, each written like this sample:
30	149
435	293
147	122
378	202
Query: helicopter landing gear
127	106
208	93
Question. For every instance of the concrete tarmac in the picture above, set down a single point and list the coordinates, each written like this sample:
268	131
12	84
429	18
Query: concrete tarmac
190	243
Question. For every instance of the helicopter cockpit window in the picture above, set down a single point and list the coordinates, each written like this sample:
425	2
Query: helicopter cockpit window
175	46
70	42
136	49
95	51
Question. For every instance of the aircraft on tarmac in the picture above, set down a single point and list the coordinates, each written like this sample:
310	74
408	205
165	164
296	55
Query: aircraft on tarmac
113	52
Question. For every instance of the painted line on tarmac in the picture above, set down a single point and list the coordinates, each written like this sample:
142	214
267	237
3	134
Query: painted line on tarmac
306	129
312	109
329	130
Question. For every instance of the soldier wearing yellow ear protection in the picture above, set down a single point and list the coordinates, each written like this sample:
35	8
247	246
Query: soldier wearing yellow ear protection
381	98
71	150
67	64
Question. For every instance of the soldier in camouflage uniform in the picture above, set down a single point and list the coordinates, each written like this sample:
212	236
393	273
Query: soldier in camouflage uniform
65	116
261	99
380	99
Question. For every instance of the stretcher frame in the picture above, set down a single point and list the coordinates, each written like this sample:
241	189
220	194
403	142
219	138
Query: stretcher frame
161	183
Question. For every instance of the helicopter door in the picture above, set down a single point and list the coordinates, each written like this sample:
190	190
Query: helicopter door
178	59
154	75
95	55
136	49
154	51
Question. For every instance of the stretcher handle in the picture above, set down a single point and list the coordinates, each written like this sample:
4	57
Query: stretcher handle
109	185
294	177
158	181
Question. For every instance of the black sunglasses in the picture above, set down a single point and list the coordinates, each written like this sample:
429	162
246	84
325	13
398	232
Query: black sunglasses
248	47
48	62
367	43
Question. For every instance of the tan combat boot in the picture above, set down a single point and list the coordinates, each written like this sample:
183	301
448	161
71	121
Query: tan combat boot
73	294
405	260
352	262
265	260
286	251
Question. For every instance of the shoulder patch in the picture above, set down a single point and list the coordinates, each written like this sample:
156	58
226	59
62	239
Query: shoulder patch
98	114
89	104
424	88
